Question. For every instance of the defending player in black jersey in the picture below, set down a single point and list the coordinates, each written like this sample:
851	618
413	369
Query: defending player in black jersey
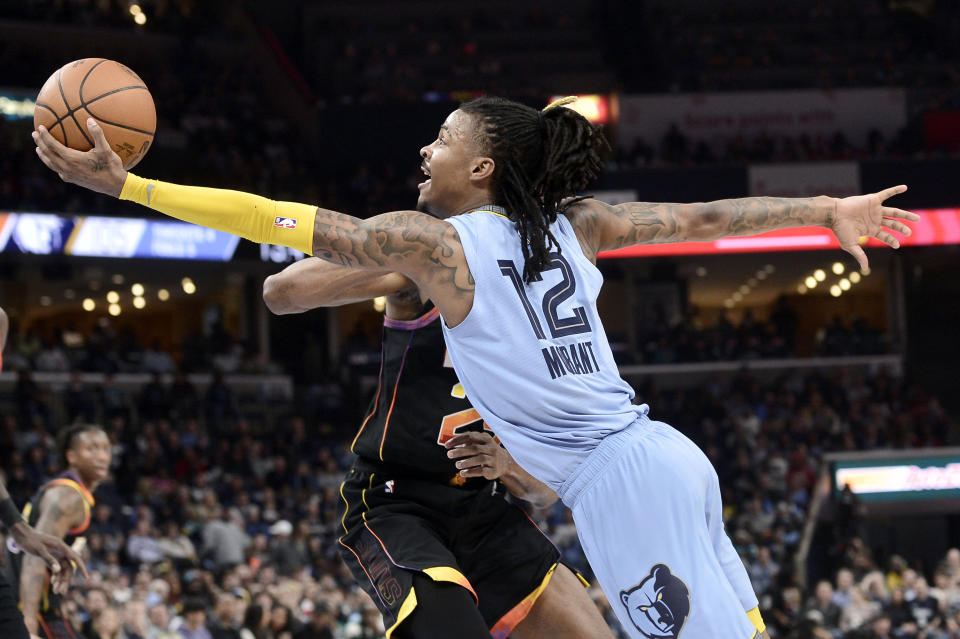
60	560
424	530
60	508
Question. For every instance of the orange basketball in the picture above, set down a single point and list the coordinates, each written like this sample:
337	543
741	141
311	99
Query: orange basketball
107	91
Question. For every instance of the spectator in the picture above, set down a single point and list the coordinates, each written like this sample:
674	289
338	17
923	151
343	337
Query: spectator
823	604
321	624
225	624
925	608
256	623
143	545
194	621
224	542
158	622
763	571
858	611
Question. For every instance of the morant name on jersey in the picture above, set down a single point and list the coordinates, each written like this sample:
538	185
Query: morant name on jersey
571	359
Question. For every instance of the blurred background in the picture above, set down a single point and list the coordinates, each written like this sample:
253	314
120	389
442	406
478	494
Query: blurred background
825	397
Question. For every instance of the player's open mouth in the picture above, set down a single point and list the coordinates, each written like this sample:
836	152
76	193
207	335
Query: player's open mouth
426	171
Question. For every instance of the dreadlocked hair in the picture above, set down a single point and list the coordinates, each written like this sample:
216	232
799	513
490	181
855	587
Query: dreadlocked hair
542	158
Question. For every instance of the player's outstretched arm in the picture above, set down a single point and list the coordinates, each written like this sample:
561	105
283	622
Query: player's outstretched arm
313	283
480	455
603	227
415	244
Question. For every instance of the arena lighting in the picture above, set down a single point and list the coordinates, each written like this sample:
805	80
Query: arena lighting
761	275
820	275
769	268
45	300
810	282
835	291
729	303
89	304
594	107
379	304
114	309
113	297
744	290
188	286
802	289
163	295
135	9
844	284
140	18
139	302
137	290
838	268
854	277
737	296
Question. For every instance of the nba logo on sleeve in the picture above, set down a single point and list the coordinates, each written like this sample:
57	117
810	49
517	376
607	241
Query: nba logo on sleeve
285	222
659	605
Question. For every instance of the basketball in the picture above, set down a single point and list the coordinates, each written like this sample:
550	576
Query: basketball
107	91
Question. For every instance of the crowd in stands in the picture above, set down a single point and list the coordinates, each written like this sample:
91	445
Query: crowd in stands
215	520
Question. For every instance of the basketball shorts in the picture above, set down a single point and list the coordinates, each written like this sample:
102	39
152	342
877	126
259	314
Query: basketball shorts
646	503
11	619
470	535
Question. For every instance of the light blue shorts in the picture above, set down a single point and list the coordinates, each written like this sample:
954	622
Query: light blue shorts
647	507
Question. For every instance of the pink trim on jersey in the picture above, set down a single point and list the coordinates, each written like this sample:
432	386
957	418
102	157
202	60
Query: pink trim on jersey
412	325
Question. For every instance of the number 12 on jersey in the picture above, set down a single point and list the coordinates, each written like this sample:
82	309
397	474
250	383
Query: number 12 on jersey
559	326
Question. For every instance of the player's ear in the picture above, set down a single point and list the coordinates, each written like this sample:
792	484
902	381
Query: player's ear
482	169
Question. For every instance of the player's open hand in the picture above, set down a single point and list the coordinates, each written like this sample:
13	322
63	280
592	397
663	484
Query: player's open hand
99	169
866	216
61	560
478	455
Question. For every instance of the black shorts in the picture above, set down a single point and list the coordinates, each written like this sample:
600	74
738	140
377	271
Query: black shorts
469	535
11	619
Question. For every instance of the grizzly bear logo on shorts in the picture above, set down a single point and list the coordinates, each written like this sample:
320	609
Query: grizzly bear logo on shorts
659	605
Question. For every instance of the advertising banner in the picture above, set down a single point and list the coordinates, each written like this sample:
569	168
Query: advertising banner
715	117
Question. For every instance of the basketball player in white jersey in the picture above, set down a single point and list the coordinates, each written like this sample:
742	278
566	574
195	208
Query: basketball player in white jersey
512	274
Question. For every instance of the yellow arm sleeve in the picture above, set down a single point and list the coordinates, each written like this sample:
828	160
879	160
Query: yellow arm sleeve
249	216
757	620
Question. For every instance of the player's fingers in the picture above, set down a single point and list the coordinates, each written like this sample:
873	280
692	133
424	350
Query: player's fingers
893	190
890	211
471	462
887	239
463	451
475	461
99	139
472	437
49	559
47	142
472	472
857	252
73	562
894	225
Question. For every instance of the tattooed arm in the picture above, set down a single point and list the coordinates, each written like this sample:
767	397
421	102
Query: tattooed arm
313	283
60	511
423	248
603	227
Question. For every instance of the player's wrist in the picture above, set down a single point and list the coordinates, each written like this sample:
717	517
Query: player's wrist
9	514
130	186
826	210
